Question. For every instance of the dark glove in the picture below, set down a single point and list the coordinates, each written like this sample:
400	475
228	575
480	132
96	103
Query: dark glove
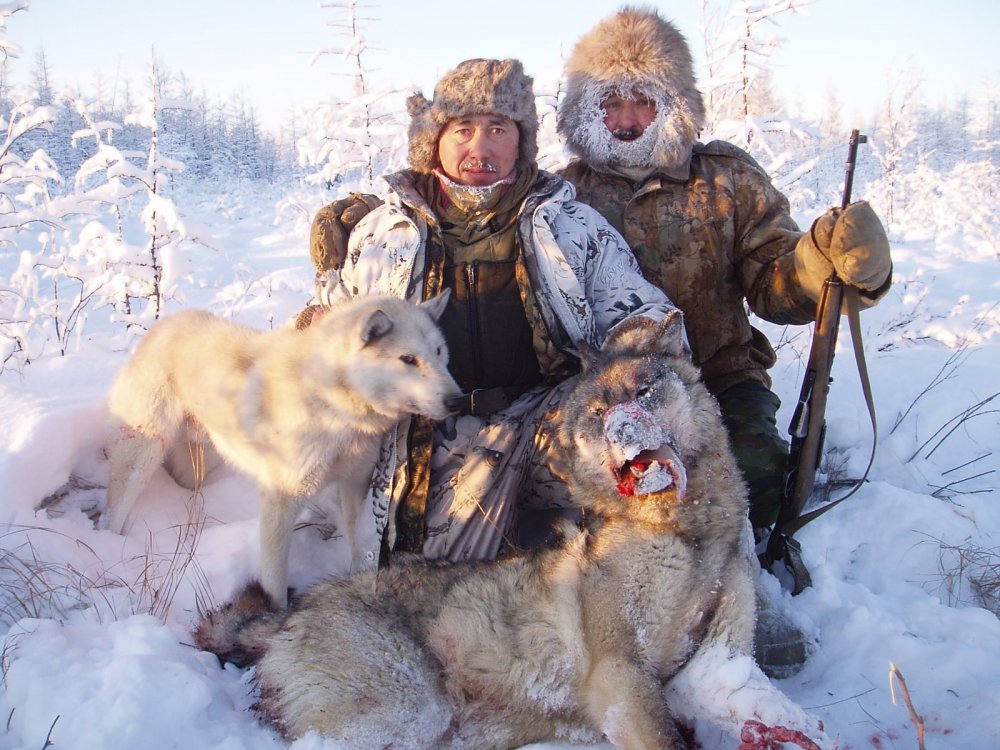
849	240
331	229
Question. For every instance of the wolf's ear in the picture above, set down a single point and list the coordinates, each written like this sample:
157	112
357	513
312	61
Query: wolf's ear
671	337
588	355
646	335
435	305
375	326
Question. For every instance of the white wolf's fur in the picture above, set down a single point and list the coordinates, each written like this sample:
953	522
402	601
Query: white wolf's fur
572	643
295	410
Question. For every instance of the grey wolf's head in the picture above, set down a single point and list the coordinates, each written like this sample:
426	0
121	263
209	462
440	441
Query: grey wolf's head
637	419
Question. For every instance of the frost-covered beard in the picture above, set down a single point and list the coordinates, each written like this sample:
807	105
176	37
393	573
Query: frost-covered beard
471	197
665	143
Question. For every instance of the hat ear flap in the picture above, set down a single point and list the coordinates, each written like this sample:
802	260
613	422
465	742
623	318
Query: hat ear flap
416	105
423	133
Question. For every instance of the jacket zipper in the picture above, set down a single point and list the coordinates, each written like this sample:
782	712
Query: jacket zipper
472	280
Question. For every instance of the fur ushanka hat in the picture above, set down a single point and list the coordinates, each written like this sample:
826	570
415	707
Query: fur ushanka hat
474	87
633	50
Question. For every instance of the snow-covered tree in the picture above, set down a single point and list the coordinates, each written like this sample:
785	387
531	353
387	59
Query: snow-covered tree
738	44
167	233
352	141
741	106
30	217
895	135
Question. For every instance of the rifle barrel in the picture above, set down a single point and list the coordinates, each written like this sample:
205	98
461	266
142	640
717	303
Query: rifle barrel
852	158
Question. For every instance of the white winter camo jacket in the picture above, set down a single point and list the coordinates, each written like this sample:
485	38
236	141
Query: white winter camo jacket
582	271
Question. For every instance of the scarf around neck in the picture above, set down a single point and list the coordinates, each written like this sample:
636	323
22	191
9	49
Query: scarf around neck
467	219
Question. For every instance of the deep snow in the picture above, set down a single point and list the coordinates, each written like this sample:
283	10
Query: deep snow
86	666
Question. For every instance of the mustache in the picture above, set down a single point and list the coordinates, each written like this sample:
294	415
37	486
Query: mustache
626	134
479	165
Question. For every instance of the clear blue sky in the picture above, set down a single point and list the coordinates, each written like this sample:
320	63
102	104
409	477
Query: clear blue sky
263	48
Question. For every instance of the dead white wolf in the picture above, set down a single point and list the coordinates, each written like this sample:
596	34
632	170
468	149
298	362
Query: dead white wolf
573	643
295	410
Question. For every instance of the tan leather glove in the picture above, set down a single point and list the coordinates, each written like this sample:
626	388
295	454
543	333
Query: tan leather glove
851	241
331	229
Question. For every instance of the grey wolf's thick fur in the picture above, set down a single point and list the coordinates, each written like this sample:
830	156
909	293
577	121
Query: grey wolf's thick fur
570	643
296	410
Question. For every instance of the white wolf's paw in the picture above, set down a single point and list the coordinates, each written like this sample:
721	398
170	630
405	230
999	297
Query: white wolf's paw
77	495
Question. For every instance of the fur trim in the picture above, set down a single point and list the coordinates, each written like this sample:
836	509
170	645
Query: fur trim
474	87
635	49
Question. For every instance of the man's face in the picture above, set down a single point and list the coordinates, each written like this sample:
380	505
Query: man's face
478	149
628	117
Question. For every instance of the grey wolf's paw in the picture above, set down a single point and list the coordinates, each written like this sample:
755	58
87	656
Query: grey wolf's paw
780	646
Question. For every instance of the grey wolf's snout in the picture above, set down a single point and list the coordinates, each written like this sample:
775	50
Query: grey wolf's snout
625	433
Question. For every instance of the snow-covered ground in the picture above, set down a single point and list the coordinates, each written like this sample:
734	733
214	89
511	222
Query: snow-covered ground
98	653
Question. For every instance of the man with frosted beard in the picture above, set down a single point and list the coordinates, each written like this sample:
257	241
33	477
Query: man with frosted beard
708	227
533	276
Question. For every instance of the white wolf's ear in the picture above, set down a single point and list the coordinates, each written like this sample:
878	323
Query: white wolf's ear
435	306
375	326
646	335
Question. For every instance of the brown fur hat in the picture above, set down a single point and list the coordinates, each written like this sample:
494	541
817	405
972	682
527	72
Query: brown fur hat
474	87
635	49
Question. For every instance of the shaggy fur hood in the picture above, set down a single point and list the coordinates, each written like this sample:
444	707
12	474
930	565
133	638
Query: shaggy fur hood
633	50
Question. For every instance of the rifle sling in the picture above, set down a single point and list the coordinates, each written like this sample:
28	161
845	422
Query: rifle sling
852	310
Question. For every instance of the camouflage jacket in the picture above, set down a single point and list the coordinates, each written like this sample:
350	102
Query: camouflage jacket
716	242
578	280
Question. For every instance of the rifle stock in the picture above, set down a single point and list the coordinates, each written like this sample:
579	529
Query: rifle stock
810	446
807	430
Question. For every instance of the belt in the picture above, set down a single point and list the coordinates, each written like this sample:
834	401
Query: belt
482	402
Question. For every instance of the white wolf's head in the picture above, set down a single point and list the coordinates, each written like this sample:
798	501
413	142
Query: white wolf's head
391	354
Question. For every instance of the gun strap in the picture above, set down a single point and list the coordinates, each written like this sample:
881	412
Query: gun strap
852	310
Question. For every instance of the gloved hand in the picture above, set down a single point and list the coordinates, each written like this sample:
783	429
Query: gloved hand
331	229
851	241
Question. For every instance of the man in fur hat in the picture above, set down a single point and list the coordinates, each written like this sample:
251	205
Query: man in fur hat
532	274
706	224
709	228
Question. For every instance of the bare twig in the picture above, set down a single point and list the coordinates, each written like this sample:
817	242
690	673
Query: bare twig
974	565
917	719
48	737
967	463
33	587
818	706
948	369
954	423
947	490
947	372
158	586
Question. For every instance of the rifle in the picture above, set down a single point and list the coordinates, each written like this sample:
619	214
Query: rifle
808	424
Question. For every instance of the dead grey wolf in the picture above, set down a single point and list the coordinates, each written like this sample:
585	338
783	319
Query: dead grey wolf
296	410
573	643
